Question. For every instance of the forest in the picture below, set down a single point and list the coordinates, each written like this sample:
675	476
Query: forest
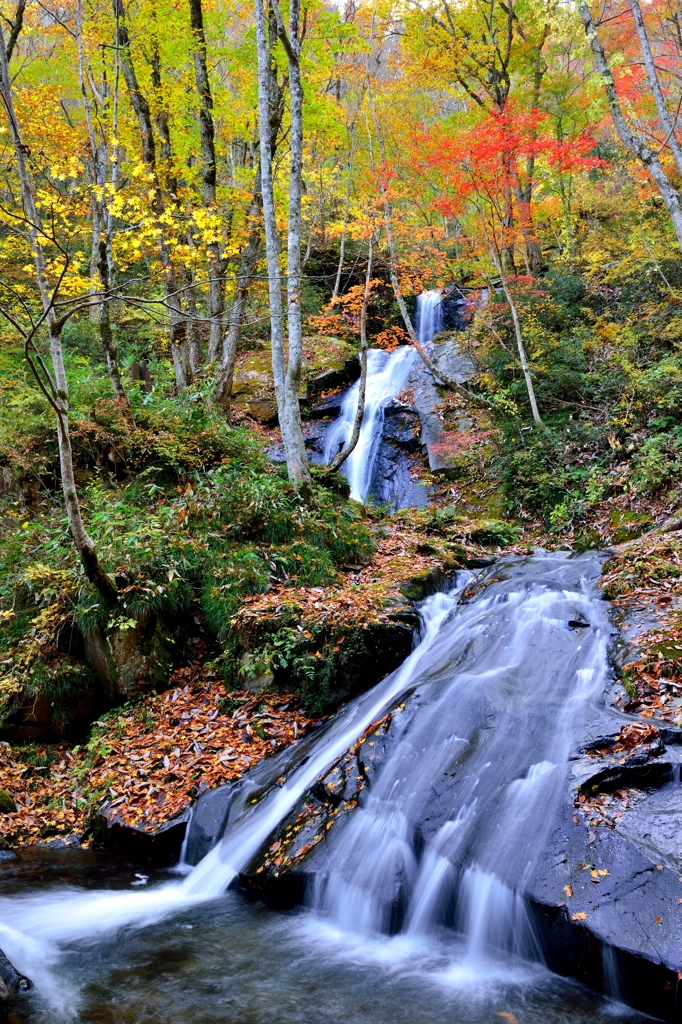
325	330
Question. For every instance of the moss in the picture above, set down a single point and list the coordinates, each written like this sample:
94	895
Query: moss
7	805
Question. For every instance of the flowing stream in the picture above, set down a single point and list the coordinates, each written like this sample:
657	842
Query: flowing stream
439	852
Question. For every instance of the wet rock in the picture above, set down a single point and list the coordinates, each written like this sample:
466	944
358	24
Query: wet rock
12	985
402	426
161	844
330	407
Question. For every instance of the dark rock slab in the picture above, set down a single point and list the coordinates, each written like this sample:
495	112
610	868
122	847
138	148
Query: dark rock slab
330	408
161	844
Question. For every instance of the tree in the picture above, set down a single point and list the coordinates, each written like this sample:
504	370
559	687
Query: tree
101	217
478	169
53	385
173	290
216	288
287	374
649	156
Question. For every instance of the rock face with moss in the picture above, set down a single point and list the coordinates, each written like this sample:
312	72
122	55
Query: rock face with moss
330	643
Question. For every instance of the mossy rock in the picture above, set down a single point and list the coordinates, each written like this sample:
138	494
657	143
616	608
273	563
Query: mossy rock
144	655
7	804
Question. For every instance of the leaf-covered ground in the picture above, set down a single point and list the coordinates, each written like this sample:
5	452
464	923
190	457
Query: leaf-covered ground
644	582
143	764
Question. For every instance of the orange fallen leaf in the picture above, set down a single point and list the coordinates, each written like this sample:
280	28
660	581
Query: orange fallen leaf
507	1016
658	920
568	889
579	916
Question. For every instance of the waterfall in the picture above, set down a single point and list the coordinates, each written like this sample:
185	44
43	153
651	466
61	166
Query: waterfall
429	319
387	374
506	687
493	696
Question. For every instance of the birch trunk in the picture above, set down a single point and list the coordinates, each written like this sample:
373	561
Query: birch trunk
287	376
216	290
647	157
517	332
58	388
299	470
664	117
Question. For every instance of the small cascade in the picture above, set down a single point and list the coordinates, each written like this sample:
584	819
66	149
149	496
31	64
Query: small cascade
485	754
429	319
387	374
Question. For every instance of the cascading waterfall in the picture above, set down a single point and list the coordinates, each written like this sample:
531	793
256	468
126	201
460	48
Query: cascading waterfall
429	319
461	809
487	750
387	374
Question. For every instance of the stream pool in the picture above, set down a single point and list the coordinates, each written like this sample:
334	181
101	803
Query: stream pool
236	961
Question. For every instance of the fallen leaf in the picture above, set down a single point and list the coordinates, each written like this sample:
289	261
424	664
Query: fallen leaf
579	917
569	891
507	1016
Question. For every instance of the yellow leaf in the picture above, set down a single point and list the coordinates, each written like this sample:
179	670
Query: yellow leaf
579	917
568	889
603	872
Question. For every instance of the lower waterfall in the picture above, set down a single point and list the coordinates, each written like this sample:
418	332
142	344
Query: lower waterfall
452	827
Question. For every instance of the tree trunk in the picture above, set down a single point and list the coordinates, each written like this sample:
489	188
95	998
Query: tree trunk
216	289
58	389
287	378
647	157
101	250
342	246
664	117
178	334
247	269
106	335
517	332
341	456
299	469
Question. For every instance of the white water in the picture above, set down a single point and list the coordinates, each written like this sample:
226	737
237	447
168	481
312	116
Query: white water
485	753
387	374
33	928
429	319
497	690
